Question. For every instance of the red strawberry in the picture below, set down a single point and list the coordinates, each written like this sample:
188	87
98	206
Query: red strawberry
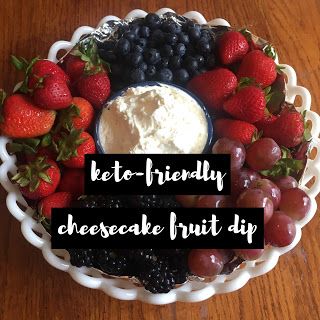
95	88
257	65
267	119
72	147
213	87
79	115
287	130
36	70
47	152
74	67
234	130
52	93
233	46
54	200
22	119
38	179
72	180
248	104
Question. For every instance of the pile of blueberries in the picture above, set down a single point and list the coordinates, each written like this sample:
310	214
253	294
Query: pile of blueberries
161	49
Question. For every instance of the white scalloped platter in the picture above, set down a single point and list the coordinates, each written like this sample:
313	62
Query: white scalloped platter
192	291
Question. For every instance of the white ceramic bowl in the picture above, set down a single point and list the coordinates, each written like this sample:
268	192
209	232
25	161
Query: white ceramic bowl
124	289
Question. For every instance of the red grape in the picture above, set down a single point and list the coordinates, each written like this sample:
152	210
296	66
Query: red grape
285	183
249	254
256	198
214	201
234	148
270	189
205	262
280	230
241	180
187	201
295	203
263	154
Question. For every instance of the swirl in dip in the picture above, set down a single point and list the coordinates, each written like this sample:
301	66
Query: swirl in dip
153	119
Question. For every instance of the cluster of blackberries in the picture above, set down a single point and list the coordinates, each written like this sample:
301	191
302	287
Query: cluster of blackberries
161	49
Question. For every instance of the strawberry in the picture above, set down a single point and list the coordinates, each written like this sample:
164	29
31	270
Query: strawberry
38	179
54	200
72	180
257	65
234	130
74	67
267	119
248	104
47	152
79	115
213	87
72	147
233	46
52	93
287	130
22	119
95	88
36	70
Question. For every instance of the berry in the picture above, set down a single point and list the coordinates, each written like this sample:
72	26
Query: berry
95	88
151	71
171	27
144	32
38	178
183	38
181	76
256	65
180	49
270	189
165	75
22	119
131	36
263	154
203	45
205	262
137	75
152	56
191	64
248	104
235	130
295	203
54	200
256	198
82	257
164	62
211	61
233	46
170	38
72	180
284	183
241	180
166	51
280	231
152	20
234	148
175	62
135	58
141	42
200	59
287	130
213	87
123	46
157	38
194	32
111	263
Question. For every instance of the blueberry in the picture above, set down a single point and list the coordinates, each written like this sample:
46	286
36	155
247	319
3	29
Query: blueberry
191	64
180	49
157	36
200	59
116	69
175	62
164	62
137	49
108	45
141	42
143	66
188	24
181	75
170	38
137	75
152	20
152	56
206	34
123	46
151	71
203	45
184	38
170	27
144	32
135	28
167	51
135	58
108	56
131	36
165	75
211	61
194	33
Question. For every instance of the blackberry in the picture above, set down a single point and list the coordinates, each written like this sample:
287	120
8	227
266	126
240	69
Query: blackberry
156	201
100	201
82	257
156	277
111	263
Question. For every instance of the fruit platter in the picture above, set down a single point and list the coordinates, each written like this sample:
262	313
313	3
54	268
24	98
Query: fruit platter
161	83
